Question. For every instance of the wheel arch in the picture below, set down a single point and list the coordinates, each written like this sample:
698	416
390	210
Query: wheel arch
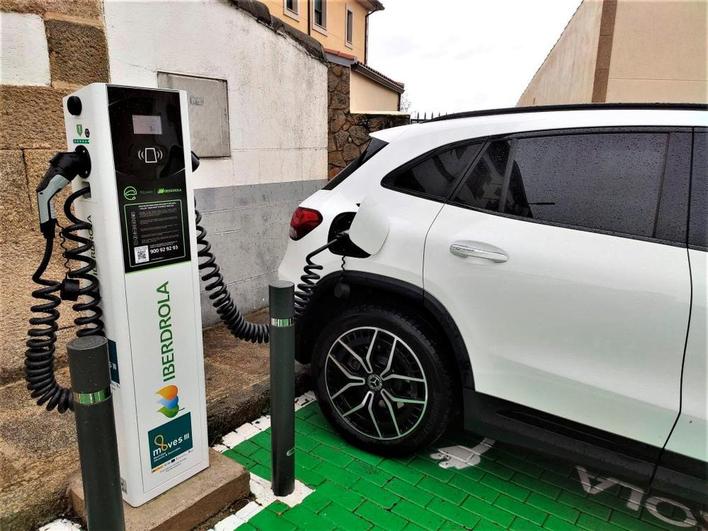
342	289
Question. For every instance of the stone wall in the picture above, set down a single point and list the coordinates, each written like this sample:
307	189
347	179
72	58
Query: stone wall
349	132
34	79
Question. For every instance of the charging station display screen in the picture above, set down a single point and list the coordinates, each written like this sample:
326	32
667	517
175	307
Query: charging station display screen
147	125
148	153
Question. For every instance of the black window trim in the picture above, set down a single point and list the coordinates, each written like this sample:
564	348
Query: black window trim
390	176
486	140
700	130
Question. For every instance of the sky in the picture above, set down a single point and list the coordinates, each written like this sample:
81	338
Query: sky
459	55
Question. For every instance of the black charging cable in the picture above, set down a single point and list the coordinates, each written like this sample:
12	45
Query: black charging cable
42	334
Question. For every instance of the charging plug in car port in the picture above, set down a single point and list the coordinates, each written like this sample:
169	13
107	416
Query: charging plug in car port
344	247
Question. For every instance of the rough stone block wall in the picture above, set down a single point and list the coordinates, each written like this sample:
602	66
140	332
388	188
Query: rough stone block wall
349	132
31	130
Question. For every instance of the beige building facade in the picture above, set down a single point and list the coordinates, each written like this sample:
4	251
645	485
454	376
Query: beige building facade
342	27
627	51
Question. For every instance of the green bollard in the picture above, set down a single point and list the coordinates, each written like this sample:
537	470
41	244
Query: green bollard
96	433
282	386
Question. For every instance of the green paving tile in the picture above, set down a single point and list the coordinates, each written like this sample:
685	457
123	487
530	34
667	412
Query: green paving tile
520	509
536	485
343	518
261	439
585	521
553	523
409	492
361	455
552	507
486	525
336	474
241	459
332	455
442	490
247	447
631	523
412	527
505	486
380	517
415	513
304	518
509	489
304	443
308	476
246	527
277	507
430	468
401	470
453	512
373	473
487	511
269	521
375	493
478	490
585	505
346	498
521	524
570	484
494	467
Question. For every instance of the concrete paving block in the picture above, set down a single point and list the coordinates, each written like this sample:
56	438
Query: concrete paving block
185	506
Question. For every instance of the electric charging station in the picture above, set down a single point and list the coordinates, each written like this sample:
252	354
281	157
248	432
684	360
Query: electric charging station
141	211
138	246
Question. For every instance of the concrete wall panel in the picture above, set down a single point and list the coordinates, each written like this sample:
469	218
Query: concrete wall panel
568	73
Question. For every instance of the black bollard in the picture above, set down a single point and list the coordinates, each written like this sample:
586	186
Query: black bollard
282	387
96	432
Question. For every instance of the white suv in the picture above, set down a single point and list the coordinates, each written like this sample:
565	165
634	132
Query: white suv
541	271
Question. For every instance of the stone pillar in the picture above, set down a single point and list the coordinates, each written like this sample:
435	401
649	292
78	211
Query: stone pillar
60	45
348	133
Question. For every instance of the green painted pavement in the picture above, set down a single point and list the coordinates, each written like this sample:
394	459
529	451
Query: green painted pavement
509	489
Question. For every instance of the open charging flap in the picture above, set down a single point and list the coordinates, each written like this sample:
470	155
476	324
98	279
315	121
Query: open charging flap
370	227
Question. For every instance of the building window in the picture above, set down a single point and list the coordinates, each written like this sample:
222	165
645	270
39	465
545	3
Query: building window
319	9
291	7
349	26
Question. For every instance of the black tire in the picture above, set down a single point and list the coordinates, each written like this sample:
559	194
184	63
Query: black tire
397	427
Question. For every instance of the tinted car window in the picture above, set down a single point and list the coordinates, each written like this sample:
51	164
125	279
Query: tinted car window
698	225
604	181
375	145
435	175
483	187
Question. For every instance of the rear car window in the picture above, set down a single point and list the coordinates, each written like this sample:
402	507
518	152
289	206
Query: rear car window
375	145
435	174
604	181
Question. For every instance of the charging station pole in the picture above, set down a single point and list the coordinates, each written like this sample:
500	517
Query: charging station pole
282	386
96	432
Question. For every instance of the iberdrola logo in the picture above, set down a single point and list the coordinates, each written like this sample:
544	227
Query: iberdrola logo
169	400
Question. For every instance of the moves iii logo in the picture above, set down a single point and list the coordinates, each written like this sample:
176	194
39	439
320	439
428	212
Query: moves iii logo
170	440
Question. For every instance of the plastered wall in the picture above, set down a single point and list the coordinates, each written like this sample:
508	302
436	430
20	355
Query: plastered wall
367	96
659	52
568	72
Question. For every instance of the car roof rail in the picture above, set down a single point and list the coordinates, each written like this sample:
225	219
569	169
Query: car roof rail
573	107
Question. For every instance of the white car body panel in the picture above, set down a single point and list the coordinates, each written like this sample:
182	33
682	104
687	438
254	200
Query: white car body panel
585	326
623	376
690	436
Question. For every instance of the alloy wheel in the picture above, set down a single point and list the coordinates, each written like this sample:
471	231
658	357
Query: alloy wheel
376	383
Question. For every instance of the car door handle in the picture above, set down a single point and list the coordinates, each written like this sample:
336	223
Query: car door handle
464	249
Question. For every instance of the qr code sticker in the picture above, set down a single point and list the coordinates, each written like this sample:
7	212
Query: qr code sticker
141	254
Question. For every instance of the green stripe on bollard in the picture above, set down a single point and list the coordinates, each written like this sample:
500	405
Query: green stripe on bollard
89	399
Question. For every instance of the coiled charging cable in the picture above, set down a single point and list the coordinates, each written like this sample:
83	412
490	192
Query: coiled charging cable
42	334
225	306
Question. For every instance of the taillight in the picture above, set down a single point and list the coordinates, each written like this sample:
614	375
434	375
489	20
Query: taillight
304	221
